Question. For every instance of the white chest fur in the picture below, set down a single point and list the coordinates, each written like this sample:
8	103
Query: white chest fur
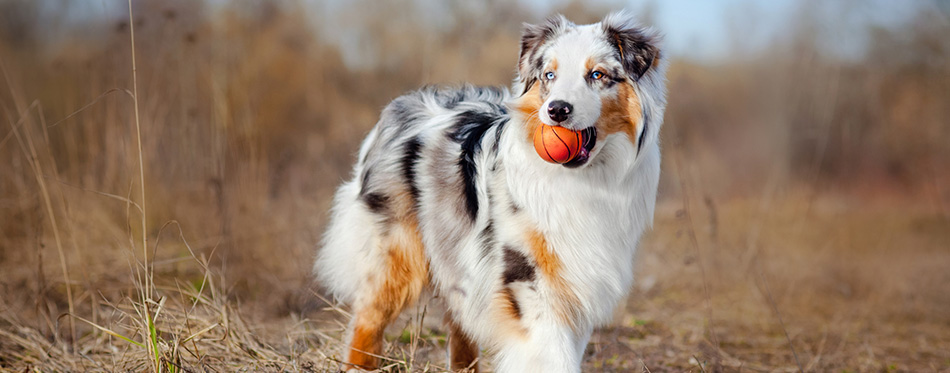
591	217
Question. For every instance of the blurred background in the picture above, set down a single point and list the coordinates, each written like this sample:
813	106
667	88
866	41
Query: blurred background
803	221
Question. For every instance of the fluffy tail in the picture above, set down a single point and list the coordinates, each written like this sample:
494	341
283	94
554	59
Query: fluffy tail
347	250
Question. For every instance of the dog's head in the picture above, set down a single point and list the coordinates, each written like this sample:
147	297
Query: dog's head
601	78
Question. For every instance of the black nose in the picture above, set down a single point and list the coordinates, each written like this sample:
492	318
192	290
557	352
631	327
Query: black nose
559	110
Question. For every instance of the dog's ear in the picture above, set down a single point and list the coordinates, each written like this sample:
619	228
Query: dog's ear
533	38
637	46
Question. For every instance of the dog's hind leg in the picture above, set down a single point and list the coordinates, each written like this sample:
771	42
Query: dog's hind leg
462	350
398	283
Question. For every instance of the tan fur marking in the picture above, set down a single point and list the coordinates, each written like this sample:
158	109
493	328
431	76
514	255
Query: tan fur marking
553	65
512	306
590	63
621	114
462	349
548	263
507	314
566	303
367	342
528	106
406	274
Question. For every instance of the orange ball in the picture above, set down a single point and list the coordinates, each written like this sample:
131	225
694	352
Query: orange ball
557	144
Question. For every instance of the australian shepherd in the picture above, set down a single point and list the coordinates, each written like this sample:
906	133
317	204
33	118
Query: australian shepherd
449	195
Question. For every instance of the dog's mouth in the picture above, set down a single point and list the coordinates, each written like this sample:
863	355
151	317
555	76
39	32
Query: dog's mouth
589	139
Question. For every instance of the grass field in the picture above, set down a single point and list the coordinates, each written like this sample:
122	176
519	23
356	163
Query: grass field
736	286
167	219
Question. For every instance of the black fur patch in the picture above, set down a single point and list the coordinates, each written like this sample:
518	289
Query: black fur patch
498	108
538	63
510	296
470	128
410	157
494	147
517	267
634	48
376	202
643	134
532	38
404	111
613	78
451	100
364	183
528	83
486	238
514	207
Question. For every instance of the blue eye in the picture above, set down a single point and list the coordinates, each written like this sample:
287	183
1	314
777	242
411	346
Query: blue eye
549	75
596	75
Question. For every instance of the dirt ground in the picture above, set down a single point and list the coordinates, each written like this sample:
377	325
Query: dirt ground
755	285
775	286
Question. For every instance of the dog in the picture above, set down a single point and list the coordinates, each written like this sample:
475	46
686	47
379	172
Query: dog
449	195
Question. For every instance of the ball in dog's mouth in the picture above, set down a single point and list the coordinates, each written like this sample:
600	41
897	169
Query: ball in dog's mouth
589	139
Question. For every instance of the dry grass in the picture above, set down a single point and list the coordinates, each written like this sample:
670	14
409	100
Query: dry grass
851	300
803	222
854	289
